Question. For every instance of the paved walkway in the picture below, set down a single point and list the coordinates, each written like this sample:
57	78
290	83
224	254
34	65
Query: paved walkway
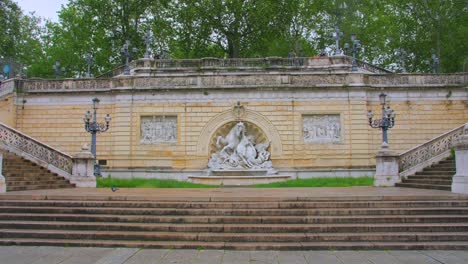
220	194
61	255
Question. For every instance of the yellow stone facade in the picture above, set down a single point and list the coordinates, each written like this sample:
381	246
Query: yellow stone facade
54	115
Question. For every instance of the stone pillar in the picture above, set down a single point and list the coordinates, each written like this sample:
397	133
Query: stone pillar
2	179
386	173
460	180
83	169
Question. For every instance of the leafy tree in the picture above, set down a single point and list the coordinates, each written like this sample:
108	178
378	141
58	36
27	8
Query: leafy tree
237	28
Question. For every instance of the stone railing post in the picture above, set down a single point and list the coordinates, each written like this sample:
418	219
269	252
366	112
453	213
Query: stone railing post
83	169
2	179
386	172
460	180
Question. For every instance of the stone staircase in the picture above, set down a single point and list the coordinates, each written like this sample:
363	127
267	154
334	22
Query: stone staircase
412	222
438	176
21	174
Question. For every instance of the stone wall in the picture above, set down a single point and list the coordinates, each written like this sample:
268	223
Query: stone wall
7	103
278	103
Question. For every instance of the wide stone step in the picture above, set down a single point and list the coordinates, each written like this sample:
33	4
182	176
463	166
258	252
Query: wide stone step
23	167
237	219
428	181
442	168
425	186
29	174
451	245
235	237
37	182
448	160
39	187
432	172
37	178
236	212
239	205
430	177
238	228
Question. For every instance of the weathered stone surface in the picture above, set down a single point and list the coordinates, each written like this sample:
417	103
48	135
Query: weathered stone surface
276	94
460	180
386	173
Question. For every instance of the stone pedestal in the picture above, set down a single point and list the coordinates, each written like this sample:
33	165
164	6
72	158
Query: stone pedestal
386	173
460	180
83	169
2	179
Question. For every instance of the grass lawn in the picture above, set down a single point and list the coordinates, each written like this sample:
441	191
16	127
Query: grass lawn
157	183
320	182
147	183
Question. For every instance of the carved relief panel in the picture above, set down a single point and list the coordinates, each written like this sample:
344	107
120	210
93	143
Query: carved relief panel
158	129
324	128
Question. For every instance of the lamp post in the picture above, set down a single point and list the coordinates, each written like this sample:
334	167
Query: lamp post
148	39
127	54
57	70
89	62
355	46
94	127
435	63
337	35
401	52
387	121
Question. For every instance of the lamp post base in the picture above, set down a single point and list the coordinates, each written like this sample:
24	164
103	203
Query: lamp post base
386	173
460	180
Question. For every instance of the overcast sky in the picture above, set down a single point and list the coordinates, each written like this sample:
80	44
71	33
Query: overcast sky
43	8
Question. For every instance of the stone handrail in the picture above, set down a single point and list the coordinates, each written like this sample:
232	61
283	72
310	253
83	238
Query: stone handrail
429	150
24	145
270	62
418	79
217	63
372	68
7	87
116	71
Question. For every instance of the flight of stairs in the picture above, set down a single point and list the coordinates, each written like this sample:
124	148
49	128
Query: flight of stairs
438	176
270	224
21	174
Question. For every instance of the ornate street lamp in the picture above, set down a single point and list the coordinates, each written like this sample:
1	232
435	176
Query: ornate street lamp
127	54
355	47
57	70
401	53
435	63
337	35
94	127
89	61
387	121
148	39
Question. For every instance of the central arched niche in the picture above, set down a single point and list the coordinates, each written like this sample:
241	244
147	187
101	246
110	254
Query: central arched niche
226	120
250	128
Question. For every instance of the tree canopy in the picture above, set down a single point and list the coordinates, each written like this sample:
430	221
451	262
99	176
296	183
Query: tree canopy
393	33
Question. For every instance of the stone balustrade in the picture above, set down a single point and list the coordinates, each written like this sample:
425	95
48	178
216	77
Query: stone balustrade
23	145
78	169
430	152
7	87
238	80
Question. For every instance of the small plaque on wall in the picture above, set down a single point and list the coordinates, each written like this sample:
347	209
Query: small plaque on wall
158	129
324	128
